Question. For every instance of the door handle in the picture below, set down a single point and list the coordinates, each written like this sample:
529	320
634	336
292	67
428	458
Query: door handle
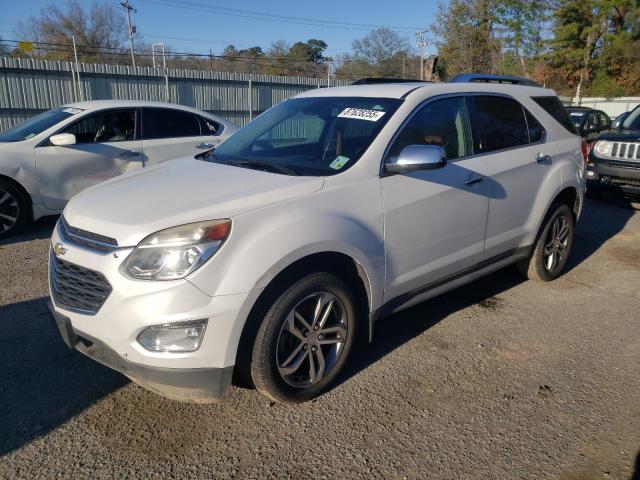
542	158
205	145
476	179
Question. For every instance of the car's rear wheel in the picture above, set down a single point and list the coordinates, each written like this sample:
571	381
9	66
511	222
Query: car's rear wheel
14	209
305	339
552	249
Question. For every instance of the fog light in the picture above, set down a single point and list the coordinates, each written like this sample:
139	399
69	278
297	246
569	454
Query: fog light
173	337
590	173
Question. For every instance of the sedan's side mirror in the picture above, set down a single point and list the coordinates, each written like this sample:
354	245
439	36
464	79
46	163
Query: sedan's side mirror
417	157
63	139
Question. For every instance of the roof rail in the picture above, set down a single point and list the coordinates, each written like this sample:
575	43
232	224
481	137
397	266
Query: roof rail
376	81
487	78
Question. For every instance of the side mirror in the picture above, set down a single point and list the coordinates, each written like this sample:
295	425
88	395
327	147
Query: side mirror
417	157
63	139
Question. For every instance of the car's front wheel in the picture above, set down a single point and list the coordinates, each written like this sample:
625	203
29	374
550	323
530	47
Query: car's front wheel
14	209
553	246
305	339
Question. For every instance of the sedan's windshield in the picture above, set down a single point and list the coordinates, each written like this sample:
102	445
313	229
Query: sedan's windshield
308	136
632	122
37	124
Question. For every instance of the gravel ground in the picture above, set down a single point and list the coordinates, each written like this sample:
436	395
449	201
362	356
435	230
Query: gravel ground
499	379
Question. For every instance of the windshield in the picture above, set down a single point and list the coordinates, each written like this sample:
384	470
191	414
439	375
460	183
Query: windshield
632	122
576	118
308	136
38	124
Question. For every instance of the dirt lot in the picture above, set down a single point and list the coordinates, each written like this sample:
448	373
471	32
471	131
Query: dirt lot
500	379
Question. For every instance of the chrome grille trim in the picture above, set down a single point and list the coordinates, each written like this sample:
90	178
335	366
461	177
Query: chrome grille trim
93	241
77	288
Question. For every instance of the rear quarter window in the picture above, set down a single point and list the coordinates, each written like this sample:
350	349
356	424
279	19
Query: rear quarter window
554	107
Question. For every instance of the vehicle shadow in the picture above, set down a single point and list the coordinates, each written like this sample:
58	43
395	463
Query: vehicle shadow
601	219
37	230
636	469
394	331
44	383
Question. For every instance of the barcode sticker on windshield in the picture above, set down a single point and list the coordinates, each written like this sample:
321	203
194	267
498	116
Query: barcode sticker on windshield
362	114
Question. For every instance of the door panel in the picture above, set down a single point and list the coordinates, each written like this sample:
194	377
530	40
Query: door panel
106	147
434	224
519	158
435	220
168	133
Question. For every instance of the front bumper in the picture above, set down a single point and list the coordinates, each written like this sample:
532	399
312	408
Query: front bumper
199	385
614	175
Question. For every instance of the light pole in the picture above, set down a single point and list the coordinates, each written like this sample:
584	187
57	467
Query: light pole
128	8
421	44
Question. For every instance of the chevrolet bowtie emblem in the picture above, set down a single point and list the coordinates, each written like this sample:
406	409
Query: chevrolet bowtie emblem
59	249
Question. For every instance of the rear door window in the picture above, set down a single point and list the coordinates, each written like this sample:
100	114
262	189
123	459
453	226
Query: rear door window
554	107
502	122
168	123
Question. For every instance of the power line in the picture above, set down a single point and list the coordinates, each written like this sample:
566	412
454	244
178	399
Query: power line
256	15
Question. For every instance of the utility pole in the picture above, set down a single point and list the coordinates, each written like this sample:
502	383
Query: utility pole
329	61
421	44
132	29
403	57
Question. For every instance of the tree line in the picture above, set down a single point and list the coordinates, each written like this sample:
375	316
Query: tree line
569	45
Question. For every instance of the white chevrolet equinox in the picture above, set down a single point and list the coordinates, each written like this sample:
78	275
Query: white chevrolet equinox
270	255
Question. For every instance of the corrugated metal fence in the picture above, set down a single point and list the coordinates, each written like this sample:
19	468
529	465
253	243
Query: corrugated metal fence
28	87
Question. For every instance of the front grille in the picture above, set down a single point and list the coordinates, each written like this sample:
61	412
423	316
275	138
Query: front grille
625	151
86	239
77	288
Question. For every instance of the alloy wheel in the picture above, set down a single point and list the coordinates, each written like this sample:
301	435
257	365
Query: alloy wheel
9	211
311	339
557	244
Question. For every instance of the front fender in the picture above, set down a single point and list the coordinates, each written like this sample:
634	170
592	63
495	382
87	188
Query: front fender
256	253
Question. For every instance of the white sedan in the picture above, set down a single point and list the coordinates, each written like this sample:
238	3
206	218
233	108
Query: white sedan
51	157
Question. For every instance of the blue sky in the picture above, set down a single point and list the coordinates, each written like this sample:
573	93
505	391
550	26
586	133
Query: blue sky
192	30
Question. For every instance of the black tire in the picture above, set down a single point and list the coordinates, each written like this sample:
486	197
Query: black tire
539	266
276	341
14	209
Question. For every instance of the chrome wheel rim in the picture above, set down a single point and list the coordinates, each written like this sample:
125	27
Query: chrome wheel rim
311	340
9	211
557	244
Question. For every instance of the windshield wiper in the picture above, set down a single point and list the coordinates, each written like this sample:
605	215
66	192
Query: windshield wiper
258	164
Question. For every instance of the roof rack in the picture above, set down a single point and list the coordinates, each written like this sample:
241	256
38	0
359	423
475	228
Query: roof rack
377	81
487	78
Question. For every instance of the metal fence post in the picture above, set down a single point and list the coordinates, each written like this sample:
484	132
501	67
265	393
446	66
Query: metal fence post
250	97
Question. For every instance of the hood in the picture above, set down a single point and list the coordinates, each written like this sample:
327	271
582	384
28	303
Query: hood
136	204
621	136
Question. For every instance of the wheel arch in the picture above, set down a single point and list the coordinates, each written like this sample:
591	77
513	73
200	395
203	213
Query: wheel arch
22	189
338	263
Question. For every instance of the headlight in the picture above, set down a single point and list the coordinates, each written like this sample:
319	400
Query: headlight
176	252
603	148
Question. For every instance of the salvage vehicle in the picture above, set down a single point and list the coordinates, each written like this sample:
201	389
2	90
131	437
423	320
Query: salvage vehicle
589	122
47	159
270	255
614	159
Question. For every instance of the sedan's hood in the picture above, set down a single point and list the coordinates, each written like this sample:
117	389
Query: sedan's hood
186	190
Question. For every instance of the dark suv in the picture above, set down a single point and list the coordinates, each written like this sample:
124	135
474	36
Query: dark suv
589	122
614	159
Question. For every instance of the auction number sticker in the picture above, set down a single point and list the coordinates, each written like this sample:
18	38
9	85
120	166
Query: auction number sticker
361	114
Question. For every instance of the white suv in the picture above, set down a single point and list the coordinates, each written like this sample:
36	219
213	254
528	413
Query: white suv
271	254
47	159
